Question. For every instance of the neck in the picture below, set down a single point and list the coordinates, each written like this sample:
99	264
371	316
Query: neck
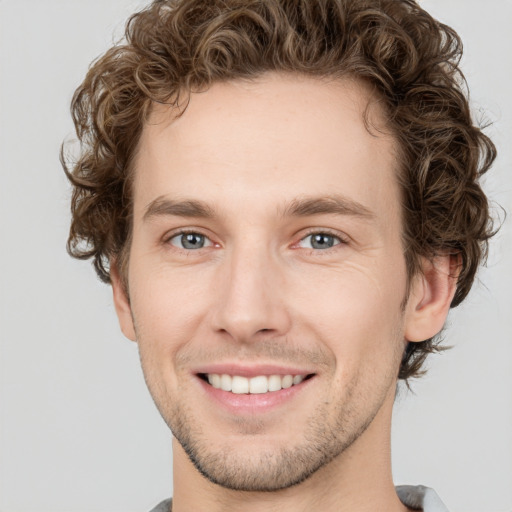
358	480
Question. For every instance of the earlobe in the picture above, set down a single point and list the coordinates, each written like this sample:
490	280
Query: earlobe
431	294
122	303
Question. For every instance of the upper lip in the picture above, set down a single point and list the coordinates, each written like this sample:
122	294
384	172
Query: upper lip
251	370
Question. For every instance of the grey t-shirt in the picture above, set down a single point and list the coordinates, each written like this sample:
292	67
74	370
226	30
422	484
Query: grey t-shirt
421	498
417	497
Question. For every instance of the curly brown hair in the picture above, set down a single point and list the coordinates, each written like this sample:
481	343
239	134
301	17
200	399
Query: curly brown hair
174	47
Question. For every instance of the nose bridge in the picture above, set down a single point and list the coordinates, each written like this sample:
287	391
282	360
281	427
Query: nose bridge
251	296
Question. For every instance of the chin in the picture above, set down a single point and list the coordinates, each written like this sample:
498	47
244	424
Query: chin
265	464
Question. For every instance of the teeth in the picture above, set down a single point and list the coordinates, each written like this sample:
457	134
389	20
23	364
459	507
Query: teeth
298	379
274	383
214	380
239	385
256	385
225	382
287	382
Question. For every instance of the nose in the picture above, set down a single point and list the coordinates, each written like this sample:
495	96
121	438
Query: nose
251	298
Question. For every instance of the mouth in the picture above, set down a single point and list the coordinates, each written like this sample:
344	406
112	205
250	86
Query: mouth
259	384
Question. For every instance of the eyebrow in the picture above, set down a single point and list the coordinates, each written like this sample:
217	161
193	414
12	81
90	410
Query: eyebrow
162	206
298	207
332	204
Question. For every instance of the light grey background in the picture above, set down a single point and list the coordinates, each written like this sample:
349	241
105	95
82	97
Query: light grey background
78	430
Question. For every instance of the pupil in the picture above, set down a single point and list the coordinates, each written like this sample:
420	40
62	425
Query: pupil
192	241
322	241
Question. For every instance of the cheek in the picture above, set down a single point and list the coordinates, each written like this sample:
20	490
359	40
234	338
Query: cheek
356	311
168	307
358	320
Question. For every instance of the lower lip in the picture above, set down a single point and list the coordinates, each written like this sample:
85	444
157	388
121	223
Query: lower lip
256	403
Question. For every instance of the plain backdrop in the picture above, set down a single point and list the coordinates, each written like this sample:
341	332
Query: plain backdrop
78	430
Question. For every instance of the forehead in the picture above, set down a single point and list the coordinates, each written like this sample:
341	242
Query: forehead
273	138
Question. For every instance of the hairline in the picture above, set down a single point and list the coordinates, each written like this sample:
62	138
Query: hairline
374	99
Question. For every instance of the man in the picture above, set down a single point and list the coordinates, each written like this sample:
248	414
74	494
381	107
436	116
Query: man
285	199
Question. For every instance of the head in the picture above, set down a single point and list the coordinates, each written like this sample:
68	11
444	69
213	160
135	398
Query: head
271	132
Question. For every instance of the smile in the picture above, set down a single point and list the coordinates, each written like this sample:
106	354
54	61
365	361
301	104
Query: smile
259	384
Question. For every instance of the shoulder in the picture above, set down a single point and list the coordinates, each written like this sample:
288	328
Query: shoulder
421	498
414	496
164	506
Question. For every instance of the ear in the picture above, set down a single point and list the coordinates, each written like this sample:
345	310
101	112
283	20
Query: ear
122	303
431	294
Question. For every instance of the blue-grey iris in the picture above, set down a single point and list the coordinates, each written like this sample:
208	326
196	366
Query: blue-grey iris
322	241
192	240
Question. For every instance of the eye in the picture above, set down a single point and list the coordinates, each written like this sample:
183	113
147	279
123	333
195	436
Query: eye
190	241
320	241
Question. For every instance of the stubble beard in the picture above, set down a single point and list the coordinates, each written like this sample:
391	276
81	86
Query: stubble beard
323	440
327	433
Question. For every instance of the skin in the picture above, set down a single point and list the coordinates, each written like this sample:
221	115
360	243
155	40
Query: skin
259	292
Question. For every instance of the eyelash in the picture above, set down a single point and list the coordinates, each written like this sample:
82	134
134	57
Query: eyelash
342	240
182	232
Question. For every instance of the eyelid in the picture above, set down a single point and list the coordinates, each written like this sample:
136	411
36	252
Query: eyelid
344	239
187	231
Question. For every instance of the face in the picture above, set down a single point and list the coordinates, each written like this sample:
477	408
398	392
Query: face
266	276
